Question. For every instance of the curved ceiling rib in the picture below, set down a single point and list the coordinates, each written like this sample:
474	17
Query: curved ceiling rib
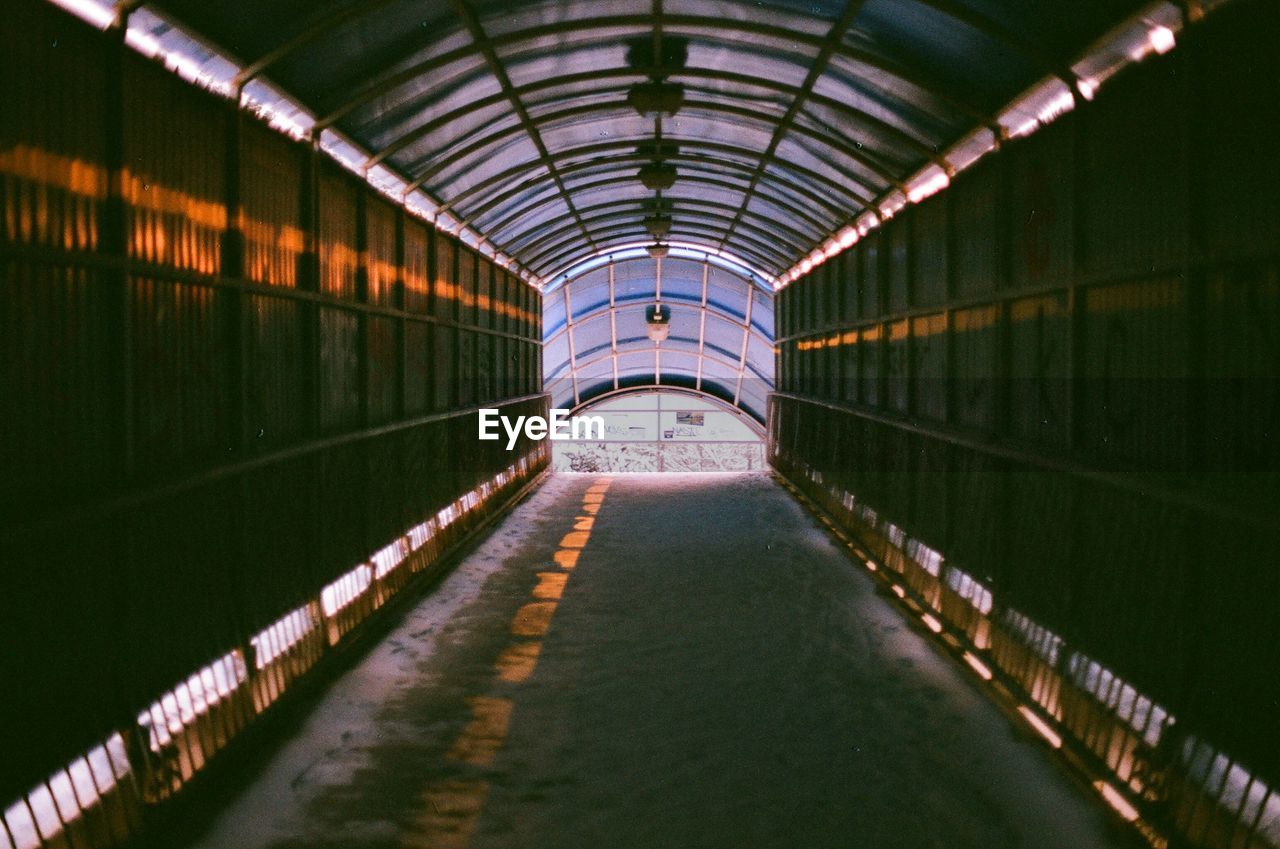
692	207
460	150
758	238
803	193
456	116
762	255
798	215
810	176
792	116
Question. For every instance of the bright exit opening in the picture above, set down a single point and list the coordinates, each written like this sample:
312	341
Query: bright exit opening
664	430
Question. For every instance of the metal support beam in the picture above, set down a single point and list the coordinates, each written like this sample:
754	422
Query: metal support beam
573	355
703	26
631	209
842	193
499	72
613	324
742	357
698	161
461	150
702	324
835	37
113	246
553	257
631	213
797	214
657	296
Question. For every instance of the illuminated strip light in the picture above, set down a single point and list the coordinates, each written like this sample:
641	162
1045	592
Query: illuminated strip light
389	557
984	671
1154	29
1116	800
931	623
970	590
282	635
1039	639
1141	713
1040	726
39	816
346	589
175	710
929	559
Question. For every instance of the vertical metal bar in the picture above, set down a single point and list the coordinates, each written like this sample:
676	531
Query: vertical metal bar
398	300
309	281
114	245
568	329
657	346
746	337
237	312
1075	295
1004	261
702	325
613	326
362	297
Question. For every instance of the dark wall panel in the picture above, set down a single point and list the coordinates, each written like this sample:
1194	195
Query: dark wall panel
270	219
57	436
219	398
1135	193
181	375
1135	372
1041	206
1039	358
930	246
339	334
336	224
383	359
276	397
417	267
175	142
383	268
975	264
1084	422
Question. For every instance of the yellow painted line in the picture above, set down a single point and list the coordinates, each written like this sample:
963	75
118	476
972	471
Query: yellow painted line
550	585
575	539
591	508
567	558
592	497
484	735
517	662
583	523
534	619
451	810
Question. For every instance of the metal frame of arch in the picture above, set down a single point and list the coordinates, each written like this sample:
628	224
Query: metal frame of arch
631	212
593	168
686	177
750	421
763	254
587	355
903	110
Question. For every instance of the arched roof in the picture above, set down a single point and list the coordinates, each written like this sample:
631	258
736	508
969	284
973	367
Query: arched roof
514	114
721	330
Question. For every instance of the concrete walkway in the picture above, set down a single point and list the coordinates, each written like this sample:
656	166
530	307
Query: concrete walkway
659	661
